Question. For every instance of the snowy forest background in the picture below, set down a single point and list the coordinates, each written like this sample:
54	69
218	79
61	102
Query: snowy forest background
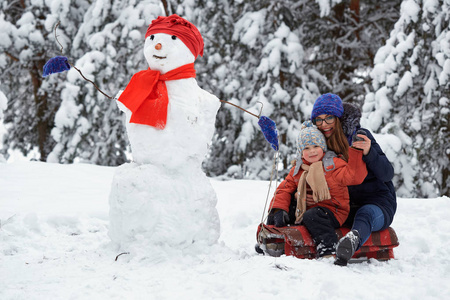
391	58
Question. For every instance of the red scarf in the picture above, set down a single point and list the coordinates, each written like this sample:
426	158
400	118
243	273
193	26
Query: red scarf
146	95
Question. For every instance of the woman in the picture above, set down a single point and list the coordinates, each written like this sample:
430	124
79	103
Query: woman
372	203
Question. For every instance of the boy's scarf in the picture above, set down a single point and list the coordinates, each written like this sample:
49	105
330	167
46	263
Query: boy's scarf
315	177
146	95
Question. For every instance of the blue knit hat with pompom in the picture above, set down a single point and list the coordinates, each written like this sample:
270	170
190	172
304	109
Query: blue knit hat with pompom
327	104
309	135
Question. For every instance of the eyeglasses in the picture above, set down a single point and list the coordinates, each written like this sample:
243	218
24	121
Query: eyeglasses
328	120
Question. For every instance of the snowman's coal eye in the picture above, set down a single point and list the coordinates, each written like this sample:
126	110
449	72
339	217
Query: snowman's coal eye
174	37
152	37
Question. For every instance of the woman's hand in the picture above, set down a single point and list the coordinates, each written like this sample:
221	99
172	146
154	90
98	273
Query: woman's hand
363	145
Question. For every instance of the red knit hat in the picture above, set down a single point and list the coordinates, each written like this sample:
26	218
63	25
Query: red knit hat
183	29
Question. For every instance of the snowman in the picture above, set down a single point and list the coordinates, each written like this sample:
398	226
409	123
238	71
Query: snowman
163	198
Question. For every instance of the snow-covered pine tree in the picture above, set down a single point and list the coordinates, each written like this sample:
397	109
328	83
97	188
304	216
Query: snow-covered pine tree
108	50
26	43
341	39
411	97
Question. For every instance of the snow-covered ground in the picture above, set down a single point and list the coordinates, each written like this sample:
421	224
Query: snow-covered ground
54	244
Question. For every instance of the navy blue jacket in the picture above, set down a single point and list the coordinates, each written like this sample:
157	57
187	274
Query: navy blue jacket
377	187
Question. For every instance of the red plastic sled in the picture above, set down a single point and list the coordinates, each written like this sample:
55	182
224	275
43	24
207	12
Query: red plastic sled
296	241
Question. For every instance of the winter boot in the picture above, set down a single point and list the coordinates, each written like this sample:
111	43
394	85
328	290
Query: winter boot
325	251
346	247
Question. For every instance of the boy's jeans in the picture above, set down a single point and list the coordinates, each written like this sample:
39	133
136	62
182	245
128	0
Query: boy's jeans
368	218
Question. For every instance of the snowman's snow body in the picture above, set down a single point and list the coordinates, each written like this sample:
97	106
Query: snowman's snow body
163	197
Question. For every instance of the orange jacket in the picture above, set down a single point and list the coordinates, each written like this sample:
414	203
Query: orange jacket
344	174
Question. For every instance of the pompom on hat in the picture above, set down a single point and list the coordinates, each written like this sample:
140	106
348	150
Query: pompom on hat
181	28
327	104
309	135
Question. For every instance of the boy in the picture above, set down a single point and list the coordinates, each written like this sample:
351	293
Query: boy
324	175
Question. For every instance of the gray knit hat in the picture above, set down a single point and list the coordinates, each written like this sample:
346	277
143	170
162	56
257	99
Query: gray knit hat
310	135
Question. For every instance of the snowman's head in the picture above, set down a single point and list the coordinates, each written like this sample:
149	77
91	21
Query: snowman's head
171	42
165	52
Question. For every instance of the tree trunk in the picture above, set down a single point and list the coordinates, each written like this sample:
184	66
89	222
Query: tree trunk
42	113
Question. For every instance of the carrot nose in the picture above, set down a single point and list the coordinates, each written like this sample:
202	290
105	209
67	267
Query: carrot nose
158	46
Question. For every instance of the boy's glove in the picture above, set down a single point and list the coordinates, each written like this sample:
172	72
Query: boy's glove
280	218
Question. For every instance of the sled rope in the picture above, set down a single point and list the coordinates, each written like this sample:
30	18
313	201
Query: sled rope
274	170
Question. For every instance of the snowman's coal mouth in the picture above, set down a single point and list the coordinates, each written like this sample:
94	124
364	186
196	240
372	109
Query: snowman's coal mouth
159	57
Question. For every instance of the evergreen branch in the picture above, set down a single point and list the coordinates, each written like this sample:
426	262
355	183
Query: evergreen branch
11	56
